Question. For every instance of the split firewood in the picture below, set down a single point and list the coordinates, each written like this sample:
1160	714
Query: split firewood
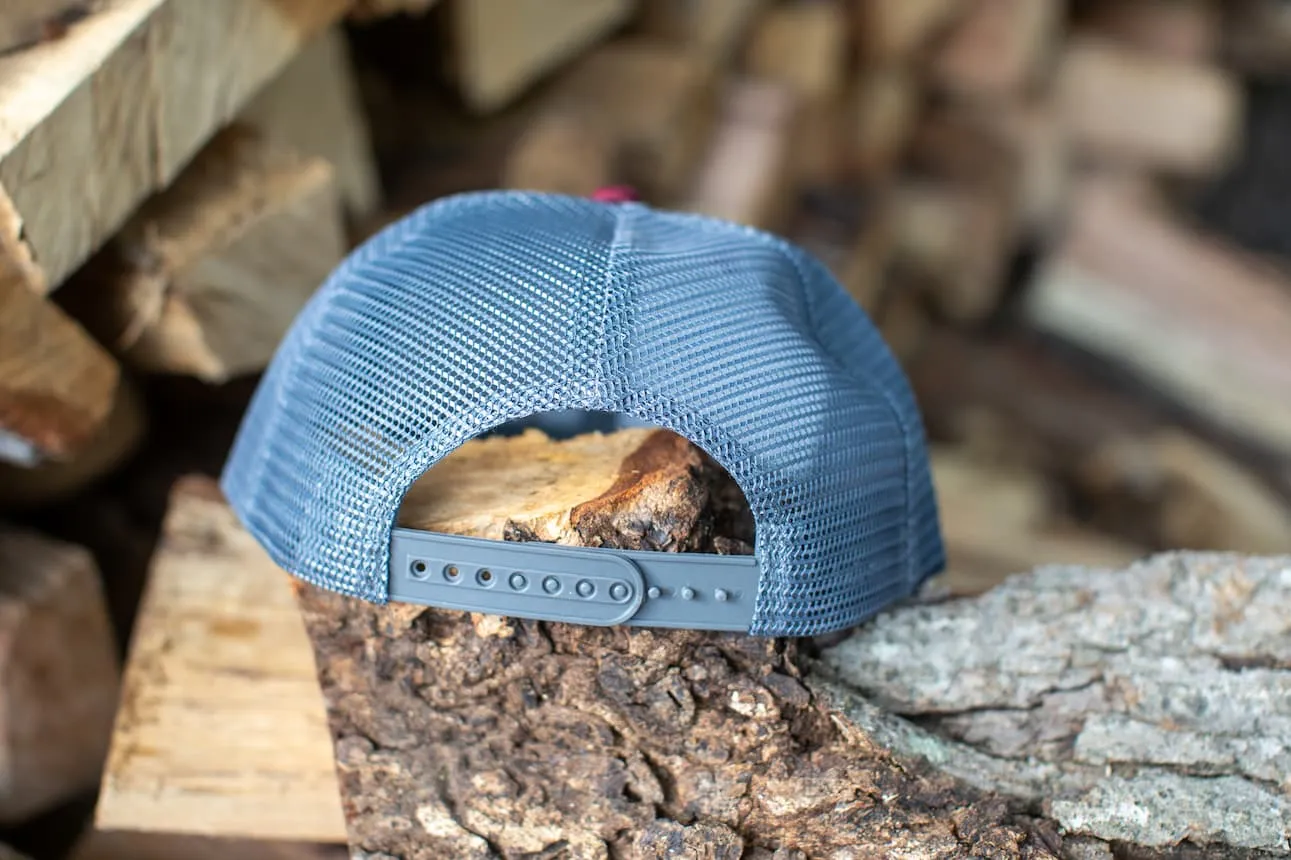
313	107
1189	30
997	50
1204	499
1206	323
98	120
891	34
502	47
24	23
58	674
956	241
1019	150
804	46
1143	707
117	439
1133	471
746	175
999	521
480	756
1129	106
57	385
882	109
713	30
221	731
649	105
207	276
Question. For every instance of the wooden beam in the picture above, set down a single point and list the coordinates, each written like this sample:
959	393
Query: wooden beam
58	674
314	107
1204	322
94	122
1128	106
57	385
207	276
501	47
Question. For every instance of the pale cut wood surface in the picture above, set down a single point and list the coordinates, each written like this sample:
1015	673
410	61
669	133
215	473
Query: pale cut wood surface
313	107
1202	321
501	47
1148	110
207	276
58	674
57	384
745	176
92	123
221	728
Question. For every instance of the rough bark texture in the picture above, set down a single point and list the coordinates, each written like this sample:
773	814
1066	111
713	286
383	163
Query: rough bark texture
1150	706
475	736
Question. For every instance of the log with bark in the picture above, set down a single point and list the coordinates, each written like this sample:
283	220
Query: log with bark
99	120
207	276
58	673
469	735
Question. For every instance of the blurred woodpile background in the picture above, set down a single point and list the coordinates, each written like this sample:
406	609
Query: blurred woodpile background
1071	220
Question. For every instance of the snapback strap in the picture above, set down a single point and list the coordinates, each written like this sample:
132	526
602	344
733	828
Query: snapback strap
551	582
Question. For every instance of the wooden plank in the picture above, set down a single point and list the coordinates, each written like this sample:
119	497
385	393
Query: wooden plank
59	666
1130	106
206	277
501	47
131	845
1204	322
93	123
314	107
221	729
57	384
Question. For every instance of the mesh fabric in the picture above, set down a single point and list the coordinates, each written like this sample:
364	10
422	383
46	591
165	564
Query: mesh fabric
489	307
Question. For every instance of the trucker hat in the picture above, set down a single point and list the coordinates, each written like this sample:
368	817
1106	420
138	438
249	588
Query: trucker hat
487	307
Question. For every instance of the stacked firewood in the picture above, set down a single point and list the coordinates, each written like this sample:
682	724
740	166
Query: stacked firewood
1006	186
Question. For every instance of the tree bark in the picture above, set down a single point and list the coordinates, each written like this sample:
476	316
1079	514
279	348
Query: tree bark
478	736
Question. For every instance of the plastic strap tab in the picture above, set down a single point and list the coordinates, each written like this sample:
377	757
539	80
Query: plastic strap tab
550	582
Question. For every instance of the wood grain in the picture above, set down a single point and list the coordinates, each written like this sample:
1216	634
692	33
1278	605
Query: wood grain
206	277
221	728
92	123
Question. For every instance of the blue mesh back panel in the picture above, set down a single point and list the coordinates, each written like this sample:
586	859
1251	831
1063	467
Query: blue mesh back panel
488	307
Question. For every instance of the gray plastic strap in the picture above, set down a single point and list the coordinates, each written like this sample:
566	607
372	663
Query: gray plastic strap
584	586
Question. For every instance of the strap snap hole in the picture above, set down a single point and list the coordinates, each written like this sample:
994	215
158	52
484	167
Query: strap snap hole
451	572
